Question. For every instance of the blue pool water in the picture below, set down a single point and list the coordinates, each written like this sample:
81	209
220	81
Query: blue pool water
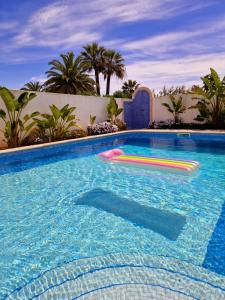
50	212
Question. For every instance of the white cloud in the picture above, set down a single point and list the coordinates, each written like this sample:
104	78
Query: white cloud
73	23
133	10
183	71
7	25
53	26
39	78
197	40
68	24
187	70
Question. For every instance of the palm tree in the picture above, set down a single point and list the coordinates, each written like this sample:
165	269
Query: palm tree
176	107
34	86
112	65
129	87
68	76
92	60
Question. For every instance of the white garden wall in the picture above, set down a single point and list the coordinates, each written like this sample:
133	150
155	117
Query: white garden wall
160	113
85	106
96	106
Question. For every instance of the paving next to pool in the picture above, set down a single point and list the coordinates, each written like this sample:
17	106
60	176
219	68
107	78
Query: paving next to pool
76	227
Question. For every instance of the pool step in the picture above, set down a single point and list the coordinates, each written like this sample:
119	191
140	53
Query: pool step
183	134
125	274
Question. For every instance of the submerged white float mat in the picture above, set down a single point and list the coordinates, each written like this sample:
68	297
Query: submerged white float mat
166	223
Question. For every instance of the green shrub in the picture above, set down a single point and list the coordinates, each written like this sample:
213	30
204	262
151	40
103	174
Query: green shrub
58	124
211	99
113	110
16	127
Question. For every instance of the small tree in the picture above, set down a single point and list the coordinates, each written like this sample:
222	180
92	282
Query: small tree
33	86
16	127
129	87
176	107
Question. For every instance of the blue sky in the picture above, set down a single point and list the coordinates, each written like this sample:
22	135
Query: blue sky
164	42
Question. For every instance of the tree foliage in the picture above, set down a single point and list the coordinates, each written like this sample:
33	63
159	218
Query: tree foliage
33	86
16	126
211	99
173	90
129	87
92	60
68	76
113	65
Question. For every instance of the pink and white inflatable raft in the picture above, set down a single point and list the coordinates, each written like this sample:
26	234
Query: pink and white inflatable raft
118	156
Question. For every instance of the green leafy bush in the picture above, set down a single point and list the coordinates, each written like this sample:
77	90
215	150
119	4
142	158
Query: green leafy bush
59	123
16	127
119	94
113	110
211	99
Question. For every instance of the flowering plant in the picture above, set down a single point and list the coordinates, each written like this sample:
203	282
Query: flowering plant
101	128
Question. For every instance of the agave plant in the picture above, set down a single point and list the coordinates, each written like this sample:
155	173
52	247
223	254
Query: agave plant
59	123
92	119
16	126
211	99
176	107
113	110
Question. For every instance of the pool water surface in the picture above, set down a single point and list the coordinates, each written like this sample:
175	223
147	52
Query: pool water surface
62	203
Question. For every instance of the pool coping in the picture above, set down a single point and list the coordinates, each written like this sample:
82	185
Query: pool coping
93	137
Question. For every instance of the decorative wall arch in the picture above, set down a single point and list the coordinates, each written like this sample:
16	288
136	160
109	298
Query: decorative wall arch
138	113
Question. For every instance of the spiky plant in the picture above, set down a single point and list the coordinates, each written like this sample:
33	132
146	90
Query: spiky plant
175	107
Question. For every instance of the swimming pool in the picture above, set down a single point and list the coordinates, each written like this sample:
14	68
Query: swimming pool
52	204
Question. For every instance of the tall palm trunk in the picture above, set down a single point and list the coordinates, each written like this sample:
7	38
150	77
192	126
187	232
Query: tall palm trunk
97	81
108	84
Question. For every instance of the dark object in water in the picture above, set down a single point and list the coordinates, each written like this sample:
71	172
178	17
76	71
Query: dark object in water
166	223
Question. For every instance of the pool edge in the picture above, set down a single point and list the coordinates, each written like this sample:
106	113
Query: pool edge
95	137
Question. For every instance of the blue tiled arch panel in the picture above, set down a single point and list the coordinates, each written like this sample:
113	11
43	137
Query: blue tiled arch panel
137	112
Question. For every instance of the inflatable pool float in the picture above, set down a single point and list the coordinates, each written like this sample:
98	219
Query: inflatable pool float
118	156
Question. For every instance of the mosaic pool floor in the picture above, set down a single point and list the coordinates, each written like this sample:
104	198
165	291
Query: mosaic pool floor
62	203
125	276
